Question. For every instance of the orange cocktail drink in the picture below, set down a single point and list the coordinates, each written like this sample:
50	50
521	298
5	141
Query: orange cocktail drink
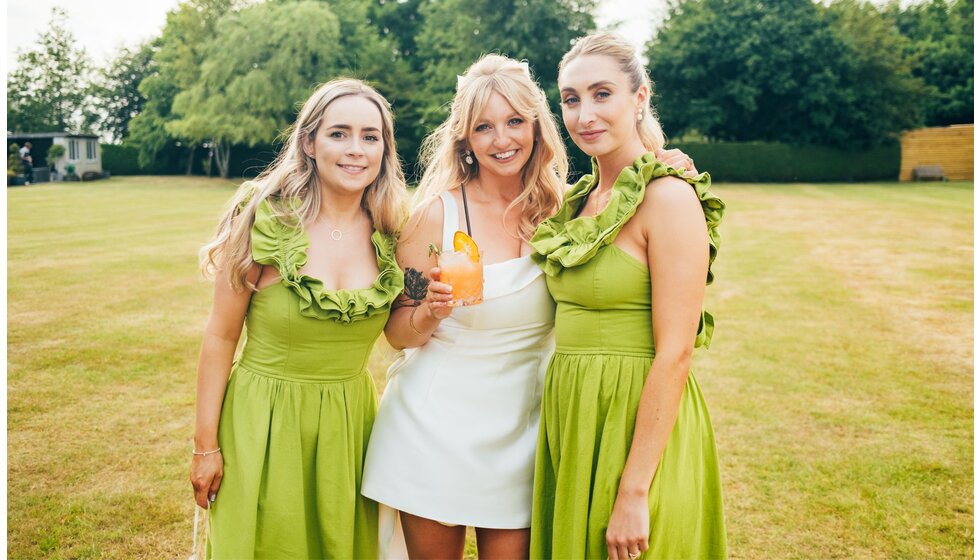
463	270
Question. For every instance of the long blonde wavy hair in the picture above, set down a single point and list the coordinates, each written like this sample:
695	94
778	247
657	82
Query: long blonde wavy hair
293	177
442	153
607	44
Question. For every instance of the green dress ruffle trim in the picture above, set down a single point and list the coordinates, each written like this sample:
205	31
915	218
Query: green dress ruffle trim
564	241
283	246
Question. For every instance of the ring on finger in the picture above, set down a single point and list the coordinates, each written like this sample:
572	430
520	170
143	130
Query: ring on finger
634	555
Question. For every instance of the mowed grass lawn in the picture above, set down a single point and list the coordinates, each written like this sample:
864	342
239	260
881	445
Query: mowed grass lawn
839	381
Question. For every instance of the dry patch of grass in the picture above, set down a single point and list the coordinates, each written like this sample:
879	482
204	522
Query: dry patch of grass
840	378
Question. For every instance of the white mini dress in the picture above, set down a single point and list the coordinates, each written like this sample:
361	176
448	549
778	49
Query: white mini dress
455	436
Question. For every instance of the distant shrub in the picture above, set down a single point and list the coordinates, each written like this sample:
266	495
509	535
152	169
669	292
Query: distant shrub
770	162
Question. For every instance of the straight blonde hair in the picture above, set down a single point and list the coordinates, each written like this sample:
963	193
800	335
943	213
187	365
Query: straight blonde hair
293	177
443	151
607	44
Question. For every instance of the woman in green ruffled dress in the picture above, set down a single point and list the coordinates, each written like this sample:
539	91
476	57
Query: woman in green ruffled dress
626	463
304	259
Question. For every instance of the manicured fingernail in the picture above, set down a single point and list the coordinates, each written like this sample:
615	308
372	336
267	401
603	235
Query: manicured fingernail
212	497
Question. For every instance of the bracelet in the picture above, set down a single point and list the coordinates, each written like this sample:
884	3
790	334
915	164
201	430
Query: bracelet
411	320
205	453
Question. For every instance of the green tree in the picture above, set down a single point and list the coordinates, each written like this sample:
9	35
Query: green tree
374	48
401	21
787	70
47	90
881	95
941	54
262	61
176	64
398	23
116	94
455	33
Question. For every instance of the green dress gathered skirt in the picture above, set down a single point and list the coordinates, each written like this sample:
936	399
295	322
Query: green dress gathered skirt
604	350
298	410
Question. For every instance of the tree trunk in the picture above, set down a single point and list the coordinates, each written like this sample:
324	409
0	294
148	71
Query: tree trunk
190	160
222	153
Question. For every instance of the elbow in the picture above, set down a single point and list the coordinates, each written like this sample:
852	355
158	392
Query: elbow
394	340
677	360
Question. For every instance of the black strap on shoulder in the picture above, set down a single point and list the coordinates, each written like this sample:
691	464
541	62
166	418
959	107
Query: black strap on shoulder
466	209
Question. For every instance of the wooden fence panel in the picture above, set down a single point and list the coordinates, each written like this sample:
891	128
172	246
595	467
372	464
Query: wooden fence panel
948	146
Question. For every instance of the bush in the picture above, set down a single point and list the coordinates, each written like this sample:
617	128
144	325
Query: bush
245	161
70	174
54	152
14	163
121	160
770	162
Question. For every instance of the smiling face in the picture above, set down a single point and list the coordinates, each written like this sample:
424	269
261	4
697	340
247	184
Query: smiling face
501	139
598	104
348	146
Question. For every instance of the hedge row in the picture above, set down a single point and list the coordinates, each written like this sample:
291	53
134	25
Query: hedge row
755	162
245	161
764	162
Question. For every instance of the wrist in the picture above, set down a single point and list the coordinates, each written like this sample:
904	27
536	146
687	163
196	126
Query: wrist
420	318
633	488
428	315
205	443
205	452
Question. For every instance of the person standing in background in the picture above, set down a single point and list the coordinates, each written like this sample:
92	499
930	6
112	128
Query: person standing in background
28	161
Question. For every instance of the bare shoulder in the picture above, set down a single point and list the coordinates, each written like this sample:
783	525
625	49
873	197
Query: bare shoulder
669	196
425	222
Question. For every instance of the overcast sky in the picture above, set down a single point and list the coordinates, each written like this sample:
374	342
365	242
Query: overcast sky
103	26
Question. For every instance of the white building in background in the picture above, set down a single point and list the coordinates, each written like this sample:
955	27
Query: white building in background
81	150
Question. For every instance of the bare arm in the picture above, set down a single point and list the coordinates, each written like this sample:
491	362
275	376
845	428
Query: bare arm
677	253
221	336
422	306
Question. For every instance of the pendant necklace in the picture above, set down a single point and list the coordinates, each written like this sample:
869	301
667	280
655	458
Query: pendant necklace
337	234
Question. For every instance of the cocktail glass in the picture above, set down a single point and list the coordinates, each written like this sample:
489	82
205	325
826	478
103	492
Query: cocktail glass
464	274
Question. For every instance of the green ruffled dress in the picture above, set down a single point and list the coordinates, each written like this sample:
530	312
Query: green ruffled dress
604	350
299	408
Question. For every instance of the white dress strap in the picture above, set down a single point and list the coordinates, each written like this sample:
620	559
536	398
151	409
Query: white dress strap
450	220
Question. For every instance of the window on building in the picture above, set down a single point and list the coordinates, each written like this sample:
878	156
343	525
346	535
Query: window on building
73	150
90	149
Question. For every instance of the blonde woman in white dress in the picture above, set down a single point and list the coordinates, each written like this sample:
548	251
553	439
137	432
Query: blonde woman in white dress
453	444
455	436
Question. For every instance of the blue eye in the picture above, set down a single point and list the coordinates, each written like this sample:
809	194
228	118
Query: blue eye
602	94
336	134
371	138
482	127
570	101
516	121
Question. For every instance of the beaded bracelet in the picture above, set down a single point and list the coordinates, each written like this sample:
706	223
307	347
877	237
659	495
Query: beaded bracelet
206	453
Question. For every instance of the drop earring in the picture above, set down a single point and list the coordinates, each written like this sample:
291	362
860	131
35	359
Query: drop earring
469	158
639	114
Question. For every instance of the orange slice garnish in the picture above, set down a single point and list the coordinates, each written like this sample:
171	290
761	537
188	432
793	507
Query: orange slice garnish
465	244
